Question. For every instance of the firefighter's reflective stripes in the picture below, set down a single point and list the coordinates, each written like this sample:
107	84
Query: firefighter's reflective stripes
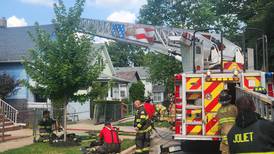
212	127
212	92
194	129
144	117
139	125
252	81
227	120
138	151
224	139
143	150
145	130
232	65
193	83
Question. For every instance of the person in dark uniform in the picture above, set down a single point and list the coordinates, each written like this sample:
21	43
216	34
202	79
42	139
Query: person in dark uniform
46	126
143	126
250	134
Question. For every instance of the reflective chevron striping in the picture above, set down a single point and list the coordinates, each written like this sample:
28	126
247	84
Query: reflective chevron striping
194	129
252	81
193	83
212	92
232	65
212	125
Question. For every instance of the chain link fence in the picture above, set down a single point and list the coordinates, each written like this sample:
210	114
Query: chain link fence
108	111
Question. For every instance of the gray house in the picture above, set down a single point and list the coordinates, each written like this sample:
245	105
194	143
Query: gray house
14	44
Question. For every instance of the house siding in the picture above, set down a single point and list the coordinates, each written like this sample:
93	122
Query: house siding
17	72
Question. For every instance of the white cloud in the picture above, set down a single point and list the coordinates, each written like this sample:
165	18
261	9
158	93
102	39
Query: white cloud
48	3
132	5
122	16
16	22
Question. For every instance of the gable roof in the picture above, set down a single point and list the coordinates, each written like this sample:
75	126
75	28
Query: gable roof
130	75
15	42
142	71
105	77
105	52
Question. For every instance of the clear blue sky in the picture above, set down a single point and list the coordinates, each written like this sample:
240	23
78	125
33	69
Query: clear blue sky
26	12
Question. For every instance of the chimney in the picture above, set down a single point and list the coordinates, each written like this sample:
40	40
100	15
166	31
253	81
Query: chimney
3	22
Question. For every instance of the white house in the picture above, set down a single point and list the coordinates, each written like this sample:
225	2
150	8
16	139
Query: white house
118	91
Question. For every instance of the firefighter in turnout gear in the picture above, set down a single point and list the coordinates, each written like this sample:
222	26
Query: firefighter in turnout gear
46	126
160	111
109	141
226	115
143	126
250	134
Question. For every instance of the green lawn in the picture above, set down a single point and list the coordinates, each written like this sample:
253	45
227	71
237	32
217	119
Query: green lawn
157	124
45	148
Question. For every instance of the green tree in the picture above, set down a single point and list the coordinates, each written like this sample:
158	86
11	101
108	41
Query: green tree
63	65
198	14
124	54
162	69
259	14
7	85
137	91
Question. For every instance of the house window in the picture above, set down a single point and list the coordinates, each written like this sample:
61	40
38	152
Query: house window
122	93
39	98
123	85
157	97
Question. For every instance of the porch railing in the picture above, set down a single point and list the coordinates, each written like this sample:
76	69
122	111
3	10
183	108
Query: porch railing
9	111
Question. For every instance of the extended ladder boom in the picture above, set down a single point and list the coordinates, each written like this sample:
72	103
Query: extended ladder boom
163	40
152	37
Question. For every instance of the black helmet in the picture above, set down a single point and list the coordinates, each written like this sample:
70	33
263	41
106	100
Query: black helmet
107	122
224	97
148	99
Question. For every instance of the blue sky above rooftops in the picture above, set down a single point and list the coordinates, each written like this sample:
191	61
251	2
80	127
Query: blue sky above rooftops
27	12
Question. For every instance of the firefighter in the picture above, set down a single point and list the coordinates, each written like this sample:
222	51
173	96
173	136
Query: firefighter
109	141
46	126
250	134
149	107
143	126
226	115
160	111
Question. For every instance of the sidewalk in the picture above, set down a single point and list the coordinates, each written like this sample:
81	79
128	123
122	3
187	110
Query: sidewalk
87	125
78	128
17	143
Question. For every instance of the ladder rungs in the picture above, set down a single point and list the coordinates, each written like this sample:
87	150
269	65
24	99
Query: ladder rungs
194	123
194	90
193	107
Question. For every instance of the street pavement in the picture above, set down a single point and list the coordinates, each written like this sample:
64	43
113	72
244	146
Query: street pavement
189	147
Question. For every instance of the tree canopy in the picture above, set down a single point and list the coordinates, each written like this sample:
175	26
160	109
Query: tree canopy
124	54
62	65
137	91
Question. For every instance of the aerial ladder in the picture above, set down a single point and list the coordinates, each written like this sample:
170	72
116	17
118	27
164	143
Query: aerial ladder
196	93
166	40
